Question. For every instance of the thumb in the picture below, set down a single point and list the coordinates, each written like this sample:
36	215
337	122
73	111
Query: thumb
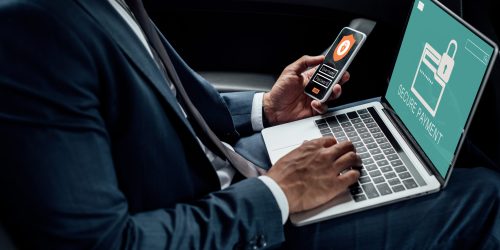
319	107
304	63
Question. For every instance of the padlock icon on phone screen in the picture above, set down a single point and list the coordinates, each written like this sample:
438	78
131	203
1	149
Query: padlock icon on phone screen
447	62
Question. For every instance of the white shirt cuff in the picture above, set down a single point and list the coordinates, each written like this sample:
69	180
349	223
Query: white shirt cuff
278	194
256	115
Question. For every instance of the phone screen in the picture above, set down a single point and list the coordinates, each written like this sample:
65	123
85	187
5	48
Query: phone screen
338	58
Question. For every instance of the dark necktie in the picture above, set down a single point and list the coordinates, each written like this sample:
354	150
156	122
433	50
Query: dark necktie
244	166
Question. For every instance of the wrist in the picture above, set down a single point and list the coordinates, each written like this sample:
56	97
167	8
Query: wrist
267	112
279	196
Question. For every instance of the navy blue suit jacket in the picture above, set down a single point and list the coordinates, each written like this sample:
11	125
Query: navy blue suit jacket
94	150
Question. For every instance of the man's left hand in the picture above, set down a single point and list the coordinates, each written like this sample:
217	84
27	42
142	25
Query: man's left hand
287	101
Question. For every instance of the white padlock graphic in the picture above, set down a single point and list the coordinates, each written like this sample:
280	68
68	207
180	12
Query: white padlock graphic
447	63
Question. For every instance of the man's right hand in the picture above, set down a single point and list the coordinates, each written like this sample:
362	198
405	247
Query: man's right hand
310	175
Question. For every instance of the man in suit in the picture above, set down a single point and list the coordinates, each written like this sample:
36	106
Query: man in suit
101	148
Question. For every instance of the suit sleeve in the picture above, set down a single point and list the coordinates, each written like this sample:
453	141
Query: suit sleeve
58	183
240	107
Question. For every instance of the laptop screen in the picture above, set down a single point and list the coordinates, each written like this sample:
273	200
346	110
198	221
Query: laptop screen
438	73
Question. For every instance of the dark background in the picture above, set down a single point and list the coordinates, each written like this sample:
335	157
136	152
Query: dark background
260	37
263	36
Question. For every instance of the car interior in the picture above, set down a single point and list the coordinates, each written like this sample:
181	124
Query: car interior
243	45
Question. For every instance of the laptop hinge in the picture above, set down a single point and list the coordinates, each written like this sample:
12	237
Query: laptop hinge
430	168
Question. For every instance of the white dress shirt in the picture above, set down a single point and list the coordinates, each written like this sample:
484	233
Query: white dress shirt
224	170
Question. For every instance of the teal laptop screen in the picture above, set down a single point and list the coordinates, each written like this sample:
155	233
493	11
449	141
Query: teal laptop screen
438	73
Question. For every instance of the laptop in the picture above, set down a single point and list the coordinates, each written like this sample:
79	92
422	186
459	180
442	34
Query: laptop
409	139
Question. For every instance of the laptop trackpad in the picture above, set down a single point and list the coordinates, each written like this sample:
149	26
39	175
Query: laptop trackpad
294	133
282	139
275	155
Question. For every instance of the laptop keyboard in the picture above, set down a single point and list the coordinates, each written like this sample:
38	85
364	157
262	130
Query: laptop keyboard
383	170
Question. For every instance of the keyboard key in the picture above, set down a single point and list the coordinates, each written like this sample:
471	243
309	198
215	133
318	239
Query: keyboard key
396	163
378	180
394	181
362	111
336	129
371	125
334	125
372	146
368	140
327	134
409	183
361	149
320	121
330	118
386	169
381	140
341	139
342	118
359	125
365	135
358	144
389	151
382	163
356	120
332	121
352	115
375	173
384	189
404	175
362	130
371	167
339	134
323	126
349	129
375	151
378	135
364	155
356	190
368	120
354	139
379	157
364	116
346	124
359	197
364	179
390	175
363	173
398	188
393	157
385	146
374	130
370	190
400	169
352	133
368	161
324	131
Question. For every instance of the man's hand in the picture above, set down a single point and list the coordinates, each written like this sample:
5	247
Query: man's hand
287	101
310	175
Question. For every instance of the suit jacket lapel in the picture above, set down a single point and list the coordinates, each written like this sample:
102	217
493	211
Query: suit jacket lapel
123	35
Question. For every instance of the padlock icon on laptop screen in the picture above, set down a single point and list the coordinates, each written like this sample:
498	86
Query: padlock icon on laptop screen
447	62
433	73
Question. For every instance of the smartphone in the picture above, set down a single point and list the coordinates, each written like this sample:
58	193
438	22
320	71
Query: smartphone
338	58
